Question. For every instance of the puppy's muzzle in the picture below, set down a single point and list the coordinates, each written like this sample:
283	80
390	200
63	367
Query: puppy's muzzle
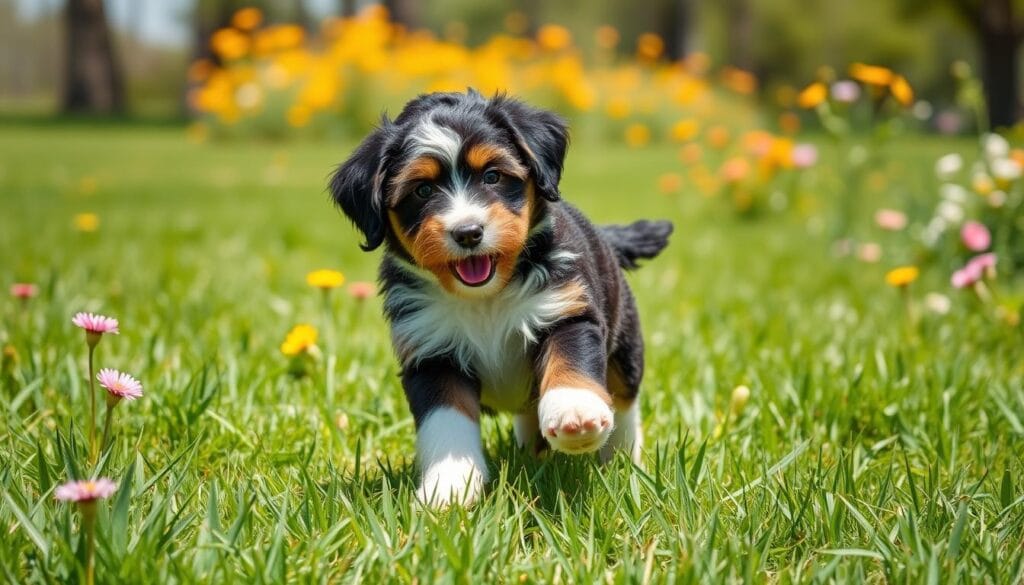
468	236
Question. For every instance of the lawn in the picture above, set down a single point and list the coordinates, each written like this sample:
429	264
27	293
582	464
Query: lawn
874	446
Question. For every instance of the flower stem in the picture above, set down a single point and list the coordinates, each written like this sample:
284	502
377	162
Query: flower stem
328	321
92	409
106	425
89	527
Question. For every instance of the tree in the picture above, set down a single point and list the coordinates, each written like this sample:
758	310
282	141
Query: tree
404	12
675	19
93	80
999	32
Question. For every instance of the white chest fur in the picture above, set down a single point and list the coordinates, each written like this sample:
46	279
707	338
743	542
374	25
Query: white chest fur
494	337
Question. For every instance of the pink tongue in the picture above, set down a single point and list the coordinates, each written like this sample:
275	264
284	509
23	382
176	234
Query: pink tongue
474	270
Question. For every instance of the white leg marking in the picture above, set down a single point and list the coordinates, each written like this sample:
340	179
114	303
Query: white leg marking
574	420
451	458
628	434
525	425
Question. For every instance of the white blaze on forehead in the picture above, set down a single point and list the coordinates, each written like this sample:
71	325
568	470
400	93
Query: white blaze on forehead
430	138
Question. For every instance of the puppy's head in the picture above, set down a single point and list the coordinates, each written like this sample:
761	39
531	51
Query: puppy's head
454	184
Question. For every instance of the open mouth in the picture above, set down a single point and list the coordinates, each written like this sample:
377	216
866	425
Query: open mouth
474	270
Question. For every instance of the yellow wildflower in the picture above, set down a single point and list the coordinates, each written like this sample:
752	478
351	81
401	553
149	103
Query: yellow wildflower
649	46
902	276
229	44
325	279
300	339
87	222
871	74
812	95
554	37
901	90
247	18
685	130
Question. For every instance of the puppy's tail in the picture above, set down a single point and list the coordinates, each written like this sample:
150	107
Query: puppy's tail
639	240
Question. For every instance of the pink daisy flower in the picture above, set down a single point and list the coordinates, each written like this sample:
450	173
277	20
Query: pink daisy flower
984	263
845	91
804	156
87	490
976	236
24	290
977	268
965	277
97	324
361	290
891	219
119	384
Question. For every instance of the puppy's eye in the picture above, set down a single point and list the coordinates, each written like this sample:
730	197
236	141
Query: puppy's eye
491	177
424	190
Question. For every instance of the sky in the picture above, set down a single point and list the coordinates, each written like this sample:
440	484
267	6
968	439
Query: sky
163	22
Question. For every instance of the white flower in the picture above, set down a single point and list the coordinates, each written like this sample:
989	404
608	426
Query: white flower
950	212
997	198
953	192
1006	169
937	303
948	165
995	146
922	110
933	231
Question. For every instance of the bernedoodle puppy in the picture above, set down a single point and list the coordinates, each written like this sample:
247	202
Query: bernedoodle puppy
500	295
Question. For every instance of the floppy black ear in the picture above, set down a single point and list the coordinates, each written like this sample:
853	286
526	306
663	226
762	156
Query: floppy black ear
541	136
357	186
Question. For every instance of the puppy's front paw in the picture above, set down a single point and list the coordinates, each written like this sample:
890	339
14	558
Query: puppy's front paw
452	459
574	420
451	481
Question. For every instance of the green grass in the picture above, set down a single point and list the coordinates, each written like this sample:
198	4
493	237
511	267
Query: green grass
872	449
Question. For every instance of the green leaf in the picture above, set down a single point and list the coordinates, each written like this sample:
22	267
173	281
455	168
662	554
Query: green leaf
119	516
1006	489
26	523
958	531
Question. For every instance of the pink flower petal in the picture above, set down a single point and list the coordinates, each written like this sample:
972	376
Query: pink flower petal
119	384
24	290
976	236
95	323
891	219
86	490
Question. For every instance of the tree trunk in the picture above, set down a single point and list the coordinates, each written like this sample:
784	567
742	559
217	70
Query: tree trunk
93	80
1000	41
739	30
404	12
675	23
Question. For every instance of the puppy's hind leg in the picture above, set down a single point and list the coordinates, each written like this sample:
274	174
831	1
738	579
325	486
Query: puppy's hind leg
625	371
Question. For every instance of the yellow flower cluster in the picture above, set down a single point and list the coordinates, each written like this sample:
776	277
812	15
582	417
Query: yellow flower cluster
300	339
357	66
879	80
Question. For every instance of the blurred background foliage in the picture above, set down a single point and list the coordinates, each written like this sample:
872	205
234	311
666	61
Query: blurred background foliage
785	44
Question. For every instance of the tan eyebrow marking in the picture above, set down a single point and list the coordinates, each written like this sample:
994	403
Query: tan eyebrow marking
479	156
422	168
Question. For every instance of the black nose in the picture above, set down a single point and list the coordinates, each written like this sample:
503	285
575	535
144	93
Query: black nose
468	236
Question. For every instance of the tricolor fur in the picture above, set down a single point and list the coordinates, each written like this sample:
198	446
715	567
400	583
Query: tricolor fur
500	295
